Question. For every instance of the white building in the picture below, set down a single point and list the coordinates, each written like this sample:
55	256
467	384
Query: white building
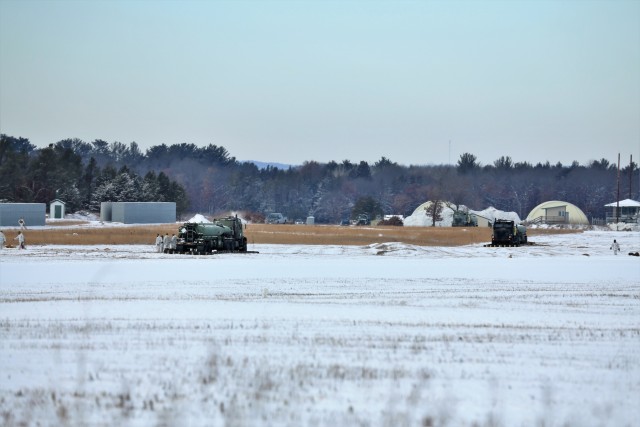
56	209
629	211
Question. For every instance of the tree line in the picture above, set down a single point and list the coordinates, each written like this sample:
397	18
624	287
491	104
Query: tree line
209	180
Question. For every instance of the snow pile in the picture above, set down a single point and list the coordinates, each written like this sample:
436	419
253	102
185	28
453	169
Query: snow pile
492	214
421	218
82	216
199	218
621	226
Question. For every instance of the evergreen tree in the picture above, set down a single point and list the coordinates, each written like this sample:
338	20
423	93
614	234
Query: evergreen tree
366	205
150	189
467	163
89	178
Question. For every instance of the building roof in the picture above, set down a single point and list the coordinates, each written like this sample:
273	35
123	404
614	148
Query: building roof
626	203
58	201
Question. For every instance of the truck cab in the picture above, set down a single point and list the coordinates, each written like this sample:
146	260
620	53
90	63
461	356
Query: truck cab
507	233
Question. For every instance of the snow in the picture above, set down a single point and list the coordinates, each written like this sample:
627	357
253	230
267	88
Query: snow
384	334
626	203
199	218
421	218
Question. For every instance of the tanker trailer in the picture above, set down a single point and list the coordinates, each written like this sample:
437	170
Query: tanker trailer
221	235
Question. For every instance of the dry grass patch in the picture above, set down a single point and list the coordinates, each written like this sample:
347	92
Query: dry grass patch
337	235
134	235
273	234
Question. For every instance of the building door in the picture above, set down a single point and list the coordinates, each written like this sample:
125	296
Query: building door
58	212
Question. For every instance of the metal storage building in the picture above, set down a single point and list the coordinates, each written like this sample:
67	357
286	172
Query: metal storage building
138	212
34	214
105	211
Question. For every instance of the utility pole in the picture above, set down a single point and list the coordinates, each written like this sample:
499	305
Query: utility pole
618	197
630	173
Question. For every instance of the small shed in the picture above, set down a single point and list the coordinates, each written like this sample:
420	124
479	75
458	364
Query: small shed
33	214
56	209
138	212
629	211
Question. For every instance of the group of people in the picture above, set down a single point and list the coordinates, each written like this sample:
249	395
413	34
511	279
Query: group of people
165	242
19	238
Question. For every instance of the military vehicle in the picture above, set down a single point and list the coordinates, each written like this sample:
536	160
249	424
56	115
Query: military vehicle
464	219
219	236
507	233
363	219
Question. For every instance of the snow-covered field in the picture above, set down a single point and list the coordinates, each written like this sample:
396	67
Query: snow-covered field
383	335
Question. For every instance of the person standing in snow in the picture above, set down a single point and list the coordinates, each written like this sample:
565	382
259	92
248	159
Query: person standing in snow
174	241
615	247
22	224
2	239
166	242
20	239
158	243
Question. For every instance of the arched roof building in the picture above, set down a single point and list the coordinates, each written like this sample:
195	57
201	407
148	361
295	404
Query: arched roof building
557	212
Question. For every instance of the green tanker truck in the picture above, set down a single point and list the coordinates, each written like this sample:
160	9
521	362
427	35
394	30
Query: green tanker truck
219	236
507	233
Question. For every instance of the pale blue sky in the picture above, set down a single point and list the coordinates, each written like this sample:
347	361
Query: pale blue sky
290	81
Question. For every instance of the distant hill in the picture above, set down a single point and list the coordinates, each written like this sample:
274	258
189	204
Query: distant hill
264	165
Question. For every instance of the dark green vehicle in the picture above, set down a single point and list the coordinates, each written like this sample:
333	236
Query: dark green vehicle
507	233
220	236
363	219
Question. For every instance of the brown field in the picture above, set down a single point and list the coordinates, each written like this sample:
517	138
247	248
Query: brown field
77	233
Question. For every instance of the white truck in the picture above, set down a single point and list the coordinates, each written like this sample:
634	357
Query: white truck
276	218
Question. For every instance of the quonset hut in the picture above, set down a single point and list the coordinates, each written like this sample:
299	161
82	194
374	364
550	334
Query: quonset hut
32	213
138	212
557	212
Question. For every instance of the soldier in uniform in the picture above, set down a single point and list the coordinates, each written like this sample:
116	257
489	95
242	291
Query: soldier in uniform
20	239
615	247
158	243
166	242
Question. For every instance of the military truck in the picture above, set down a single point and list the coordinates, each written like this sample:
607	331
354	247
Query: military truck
507	233
219	236
464	219
363	219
